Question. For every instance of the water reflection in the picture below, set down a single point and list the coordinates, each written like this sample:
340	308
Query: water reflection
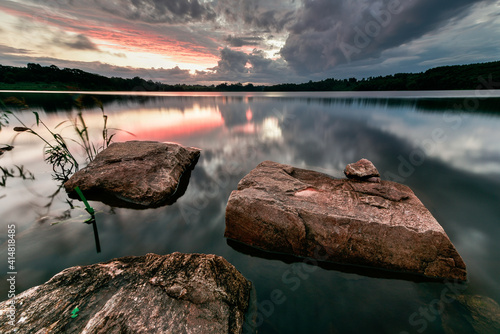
168	122
457	178
432	101
344	268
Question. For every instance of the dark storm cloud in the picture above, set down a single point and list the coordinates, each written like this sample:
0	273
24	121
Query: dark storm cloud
160	11
240	66
242	41
271	20
231	62
258	14
79	42
328	33
149	11
260	64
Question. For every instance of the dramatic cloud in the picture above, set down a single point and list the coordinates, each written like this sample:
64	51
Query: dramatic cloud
243	41
79	42
240	66
263	15
231	62
328	33
149	11
259	41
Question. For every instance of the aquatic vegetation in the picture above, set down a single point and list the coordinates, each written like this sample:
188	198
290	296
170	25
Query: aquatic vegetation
56	147
56	150
16	171
81	129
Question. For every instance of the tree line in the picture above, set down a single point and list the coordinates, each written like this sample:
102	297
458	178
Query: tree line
473	76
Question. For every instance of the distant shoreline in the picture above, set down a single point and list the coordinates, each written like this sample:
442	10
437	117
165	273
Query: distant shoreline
425	92
422	94
35	77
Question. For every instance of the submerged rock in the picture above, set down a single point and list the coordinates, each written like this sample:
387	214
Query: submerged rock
138	174
175	293
471	314
280	208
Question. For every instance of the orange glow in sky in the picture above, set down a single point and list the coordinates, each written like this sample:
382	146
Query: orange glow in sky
123	43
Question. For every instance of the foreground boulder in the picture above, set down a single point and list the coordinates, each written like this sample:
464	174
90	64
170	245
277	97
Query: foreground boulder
280	208
136	174
175	293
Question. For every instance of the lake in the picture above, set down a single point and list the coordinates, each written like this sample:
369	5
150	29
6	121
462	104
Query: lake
444	145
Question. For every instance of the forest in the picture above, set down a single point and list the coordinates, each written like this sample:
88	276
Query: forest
457	77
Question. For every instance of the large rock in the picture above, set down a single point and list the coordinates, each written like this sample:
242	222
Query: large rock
136	174
175	293
279	208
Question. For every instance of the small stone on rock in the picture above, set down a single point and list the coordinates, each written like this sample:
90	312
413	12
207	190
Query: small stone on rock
362	170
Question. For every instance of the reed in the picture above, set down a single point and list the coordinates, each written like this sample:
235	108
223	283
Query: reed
56	148
16	171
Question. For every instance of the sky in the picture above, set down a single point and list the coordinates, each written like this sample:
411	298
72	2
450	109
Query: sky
248	41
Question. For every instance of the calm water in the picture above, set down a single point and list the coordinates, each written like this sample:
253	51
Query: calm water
444	145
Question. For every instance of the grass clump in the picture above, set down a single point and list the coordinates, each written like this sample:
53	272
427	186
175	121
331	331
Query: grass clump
56	148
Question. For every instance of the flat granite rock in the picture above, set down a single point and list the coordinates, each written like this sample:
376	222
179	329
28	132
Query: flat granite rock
174	293
136	174
280	208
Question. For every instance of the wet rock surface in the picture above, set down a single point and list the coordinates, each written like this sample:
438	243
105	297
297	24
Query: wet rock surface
136	174
175	293
280	208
